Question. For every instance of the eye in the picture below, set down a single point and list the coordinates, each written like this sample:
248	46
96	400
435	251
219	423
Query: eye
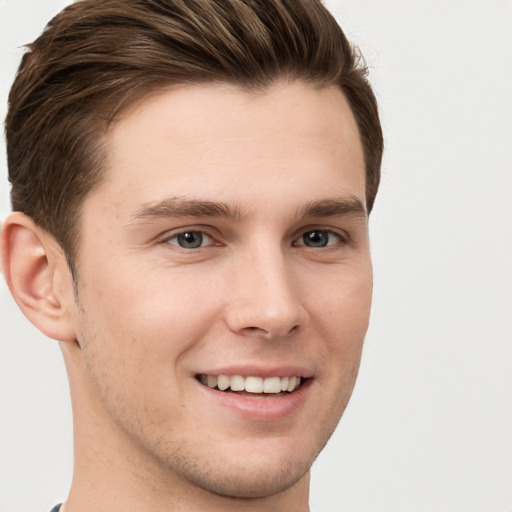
190	239
319	238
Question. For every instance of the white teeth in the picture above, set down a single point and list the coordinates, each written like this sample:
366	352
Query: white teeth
254	385
251	384
237	383
291	384
272	385
223	382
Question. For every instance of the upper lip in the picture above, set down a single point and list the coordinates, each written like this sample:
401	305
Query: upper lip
259	371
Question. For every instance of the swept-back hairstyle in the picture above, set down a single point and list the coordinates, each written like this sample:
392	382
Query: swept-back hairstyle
98	56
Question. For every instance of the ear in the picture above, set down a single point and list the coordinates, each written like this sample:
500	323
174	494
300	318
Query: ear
38	276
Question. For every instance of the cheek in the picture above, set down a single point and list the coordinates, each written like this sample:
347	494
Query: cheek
137	320
343	302
341	317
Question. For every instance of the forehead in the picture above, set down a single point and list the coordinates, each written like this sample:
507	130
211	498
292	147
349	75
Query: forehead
222	143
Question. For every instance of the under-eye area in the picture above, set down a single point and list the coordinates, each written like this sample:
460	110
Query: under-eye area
252	385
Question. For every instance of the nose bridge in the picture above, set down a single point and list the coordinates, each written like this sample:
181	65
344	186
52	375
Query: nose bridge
266	301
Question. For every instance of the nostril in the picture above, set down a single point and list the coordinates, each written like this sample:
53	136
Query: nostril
269	333
256	329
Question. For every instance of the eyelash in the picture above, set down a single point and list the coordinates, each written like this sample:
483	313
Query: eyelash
342	239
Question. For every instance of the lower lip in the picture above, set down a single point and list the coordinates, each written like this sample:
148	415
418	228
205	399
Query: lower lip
260	408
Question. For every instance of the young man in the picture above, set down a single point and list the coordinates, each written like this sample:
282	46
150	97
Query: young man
191	183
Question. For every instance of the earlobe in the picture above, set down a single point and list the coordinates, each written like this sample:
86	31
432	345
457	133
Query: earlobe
30	263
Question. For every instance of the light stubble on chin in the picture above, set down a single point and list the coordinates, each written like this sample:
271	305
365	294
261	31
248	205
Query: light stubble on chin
226	478
238	479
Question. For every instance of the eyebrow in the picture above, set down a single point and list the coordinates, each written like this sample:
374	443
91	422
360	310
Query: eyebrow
179	207
337	207
176	207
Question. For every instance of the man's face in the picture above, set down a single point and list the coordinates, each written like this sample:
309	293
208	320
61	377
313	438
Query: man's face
228	237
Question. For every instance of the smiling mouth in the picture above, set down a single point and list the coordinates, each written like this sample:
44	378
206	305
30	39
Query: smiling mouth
251	385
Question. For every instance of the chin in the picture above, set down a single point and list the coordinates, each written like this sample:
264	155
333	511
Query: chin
268	467
248	481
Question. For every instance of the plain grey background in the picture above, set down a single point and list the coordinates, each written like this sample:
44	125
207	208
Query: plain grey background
429	427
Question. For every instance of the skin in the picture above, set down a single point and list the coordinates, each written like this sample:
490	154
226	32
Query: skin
150	315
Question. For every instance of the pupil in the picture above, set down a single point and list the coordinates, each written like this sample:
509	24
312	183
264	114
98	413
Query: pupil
190	239
316	239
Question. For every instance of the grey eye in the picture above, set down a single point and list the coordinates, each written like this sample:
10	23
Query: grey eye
319	238
189	239
316	238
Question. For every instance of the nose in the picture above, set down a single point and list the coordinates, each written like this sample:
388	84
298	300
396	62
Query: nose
264	298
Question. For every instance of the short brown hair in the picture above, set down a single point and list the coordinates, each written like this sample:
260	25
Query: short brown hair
98	56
